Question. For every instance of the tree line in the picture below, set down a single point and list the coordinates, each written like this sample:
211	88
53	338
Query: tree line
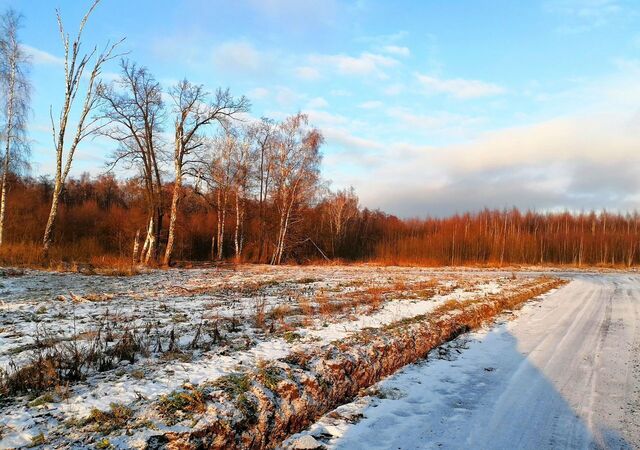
103	217
194	177
199	134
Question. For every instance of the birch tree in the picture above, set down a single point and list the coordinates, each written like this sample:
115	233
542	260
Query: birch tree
75	66
134	110
242	164
230	171
194	111
264	136
296	174
16	89
341	207
221	173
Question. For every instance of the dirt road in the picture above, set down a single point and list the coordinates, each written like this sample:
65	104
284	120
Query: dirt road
565	374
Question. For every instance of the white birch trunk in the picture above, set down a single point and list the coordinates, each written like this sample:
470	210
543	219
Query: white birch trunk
147	240
7	149
136	247
222	217
236	236
177	186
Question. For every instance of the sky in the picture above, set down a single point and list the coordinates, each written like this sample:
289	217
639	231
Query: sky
428	107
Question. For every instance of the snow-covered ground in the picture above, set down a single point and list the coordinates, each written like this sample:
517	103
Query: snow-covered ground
565	374
195	326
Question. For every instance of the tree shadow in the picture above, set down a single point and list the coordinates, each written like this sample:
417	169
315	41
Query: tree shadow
487	395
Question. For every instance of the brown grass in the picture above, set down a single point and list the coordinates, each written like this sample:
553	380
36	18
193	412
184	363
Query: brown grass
305	306
108	421
70	258
259	316
308	384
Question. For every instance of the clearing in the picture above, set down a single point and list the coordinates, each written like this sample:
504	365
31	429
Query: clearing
123	362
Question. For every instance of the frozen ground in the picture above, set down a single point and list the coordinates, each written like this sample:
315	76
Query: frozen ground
565	374
148	335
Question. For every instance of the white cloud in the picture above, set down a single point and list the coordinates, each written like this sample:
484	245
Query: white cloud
596	138
384	39
584	15
287	97
432	122
317	103
371	104
340	93
588	161
394	89
459	88
298	13
258	93
307	73
343	138
396	50
362	65
585	8
40	57
324	118
239	57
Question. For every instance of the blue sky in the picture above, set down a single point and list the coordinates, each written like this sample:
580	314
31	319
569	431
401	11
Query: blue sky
428	107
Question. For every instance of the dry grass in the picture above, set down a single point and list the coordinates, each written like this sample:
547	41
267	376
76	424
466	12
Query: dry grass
54	362
182	404
72	258
259	315
106	422
305	306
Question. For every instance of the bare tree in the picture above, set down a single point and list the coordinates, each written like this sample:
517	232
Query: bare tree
242	163
264	136
194	111
134	110
341	207
229	174
74	72
296	174
221	175
16	89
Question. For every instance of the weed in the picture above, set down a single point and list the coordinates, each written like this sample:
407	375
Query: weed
104	444
108	421
247	407
38	439
280	312
233	384
260	304
180	318
307	280
182	404
291	337
127	347
176	355
42	400
324	304
137	374
305	306
269	375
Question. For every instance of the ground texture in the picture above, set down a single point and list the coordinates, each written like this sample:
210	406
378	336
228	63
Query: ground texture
244	357
564	374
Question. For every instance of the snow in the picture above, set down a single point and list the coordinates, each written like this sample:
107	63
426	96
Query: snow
61	306
564	375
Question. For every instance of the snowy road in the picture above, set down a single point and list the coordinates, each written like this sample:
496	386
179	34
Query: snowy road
565	374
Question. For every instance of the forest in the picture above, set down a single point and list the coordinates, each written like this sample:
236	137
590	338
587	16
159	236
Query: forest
194	177
102	218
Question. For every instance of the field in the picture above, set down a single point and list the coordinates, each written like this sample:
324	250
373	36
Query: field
562	374
141	361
